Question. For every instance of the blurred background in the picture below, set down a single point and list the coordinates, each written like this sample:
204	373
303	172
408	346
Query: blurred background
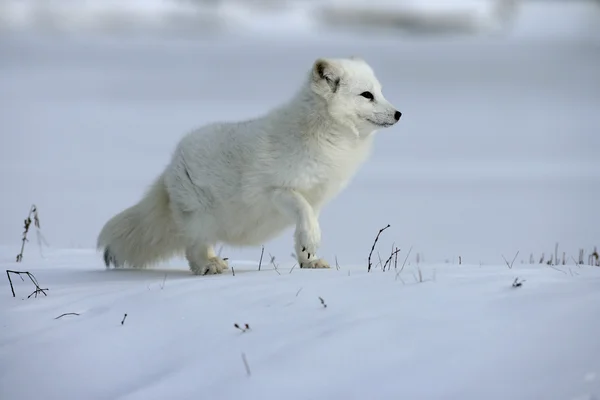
197	18
497	150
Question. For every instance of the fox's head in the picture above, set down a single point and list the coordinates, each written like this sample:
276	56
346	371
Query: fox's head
352	94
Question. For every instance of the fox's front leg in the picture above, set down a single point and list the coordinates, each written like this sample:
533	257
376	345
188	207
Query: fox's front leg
307	237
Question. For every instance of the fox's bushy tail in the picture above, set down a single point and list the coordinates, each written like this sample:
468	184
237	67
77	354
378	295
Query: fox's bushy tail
143	234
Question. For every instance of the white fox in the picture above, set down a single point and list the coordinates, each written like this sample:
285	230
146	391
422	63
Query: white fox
242	183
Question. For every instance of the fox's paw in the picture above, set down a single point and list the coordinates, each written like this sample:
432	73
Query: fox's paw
212	266
316	263
308	240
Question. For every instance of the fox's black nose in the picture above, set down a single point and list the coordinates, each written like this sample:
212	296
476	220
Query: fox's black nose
397	115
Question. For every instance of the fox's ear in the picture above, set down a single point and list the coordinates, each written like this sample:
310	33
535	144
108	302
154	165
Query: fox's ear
324	70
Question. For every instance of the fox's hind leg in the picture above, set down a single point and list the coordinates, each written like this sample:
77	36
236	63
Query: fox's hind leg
203	260
199	250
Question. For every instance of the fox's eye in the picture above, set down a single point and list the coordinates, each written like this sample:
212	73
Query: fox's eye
367	95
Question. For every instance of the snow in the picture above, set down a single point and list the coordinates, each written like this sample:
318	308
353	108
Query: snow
464	332
497	152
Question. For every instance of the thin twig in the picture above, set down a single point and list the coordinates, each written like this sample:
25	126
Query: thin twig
516	283
374	244
70	313
510	265
322	302
389	260
244	329
11	284
32	278
420	278
559	270
404	263
261	256
123	321
41	240
246	364
274	265
26	225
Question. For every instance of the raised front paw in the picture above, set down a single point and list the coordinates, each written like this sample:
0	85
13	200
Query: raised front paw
308	240
316	263
212	266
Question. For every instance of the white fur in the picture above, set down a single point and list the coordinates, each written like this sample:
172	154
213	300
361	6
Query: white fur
243	183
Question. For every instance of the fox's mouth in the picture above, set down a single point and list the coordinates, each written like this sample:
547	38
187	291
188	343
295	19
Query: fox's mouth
381	124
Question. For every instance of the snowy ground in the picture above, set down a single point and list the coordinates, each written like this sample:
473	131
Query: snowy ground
497	152
463	333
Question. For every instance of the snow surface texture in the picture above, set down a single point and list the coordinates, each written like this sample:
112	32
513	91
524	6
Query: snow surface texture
497	152
463	333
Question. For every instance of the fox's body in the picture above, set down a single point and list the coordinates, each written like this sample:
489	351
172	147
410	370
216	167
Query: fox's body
243	183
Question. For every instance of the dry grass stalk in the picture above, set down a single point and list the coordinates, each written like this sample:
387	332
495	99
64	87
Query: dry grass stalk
273	263
31	278
261	257
403	264
374	244
510	265
594	258
557	269
516	283
65	314
388	262
246	365
420	275
27	223
322	302
244	329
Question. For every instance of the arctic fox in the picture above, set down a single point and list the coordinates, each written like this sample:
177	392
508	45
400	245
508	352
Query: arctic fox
242	183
